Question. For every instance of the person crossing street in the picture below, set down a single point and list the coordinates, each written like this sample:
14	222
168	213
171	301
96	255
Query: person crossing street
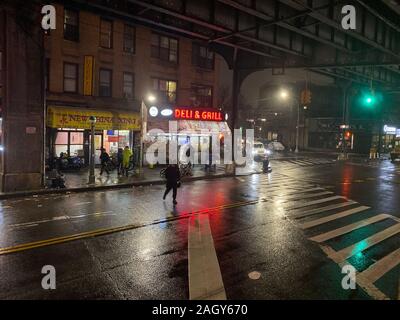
173	177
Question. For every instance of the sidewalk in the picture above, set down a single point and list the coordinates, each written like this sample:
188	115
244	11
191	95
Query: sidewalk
78	181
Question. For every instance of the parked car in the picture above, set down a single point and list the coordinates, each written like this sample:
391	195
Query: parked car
276	146
259	150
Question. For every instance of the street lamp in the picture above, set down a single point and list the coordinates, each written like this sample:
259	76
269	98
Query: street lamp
151	98
284	95
92	121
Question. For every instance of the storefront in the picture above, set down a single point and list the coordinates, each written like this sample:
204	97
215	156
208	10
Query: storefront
389	139
68	131
194	127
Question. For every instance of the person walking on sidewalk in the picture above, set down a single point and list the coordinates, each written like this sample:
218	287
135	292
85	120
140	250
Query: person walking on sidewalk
126	158
173	177
104	159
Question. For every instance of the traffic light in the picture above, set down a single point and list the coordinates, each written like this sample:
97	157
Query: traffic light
305	97
347	135
369	99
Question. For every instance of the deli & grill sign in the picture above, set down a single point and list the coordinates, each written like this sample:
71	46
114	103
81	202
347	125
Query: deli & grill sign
200	114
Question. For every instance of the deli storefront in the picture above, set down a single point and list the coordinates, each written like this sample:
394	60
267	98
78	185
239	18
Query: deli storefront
68	132
195	127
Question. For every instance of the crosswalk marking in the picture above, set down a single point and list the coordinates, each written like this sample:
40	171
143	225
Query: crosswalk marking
332	217
360	246
379	268
307	204
301	196
348	228
205	280
303	214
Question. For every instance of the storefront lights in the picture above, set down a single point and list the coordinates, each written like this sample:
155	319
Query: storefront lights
153	111
166	112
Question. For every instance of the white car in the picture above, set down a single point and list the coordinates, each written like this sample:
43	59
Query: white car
276	146
259	150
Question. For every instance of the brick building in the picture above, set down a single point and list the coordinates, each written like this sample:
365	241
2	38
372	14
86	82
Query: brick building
109	66
91	64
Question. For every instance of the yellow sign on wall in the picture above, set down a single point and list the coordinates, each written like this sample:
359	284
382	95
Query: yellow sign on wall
74	118
88	76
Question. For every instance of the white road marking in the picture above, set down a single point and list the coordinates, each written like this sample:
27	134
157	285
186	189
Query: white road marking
301	196
306	213
307	204
379	268
205	280
349	228
360	246
81	203
332	217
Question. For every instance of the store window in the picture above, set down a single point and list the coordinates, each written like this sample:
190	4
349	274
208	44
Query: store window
70	77
114	139
164	48
202	57
129	38
128	85
201	95
69	142
71	25
106	33
105	83
166	90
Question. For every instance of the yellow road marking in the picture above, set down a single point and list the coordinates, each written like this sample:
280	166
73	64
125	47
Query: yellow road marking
106	231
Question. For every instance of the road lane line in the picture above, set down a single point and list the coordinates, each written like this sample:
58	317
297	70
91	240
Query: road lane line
349	228
332	217
107	231
368	287
306	213
205	279
379	268
360	246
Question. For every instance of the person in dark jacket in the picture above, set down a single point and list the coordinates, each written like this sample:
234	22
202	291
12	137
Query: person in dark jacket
104	159
173	176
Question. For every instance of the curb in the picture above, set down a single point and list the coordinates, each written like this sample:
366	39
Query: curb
107	187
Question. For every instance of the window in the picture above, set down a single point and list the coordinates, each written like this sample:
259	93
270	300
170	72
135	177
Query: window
164	48
166	90
71	25
202	95
106	32
69	142
128	85
105	83
129	39
202	57
70	77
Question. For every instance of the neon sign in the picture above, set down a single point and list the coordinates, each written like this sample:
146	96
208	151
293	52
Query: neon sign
203	114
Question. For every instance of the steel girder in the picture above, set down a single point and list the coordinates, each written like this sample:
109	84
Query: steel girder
278	33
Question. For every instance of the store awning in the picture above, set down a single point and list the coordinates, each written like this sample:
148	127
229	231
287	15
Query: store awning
190	127
63	117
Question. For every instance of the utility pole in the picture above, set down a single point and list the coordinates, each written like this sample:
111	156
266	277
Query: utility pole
92	179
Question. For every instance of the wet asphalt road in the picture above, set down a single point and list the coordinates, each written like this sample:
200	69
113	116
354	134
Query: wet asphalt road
285	235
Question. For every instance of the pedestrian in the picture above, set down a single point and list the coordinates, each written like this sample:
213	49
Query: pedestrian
126	158
104	159
119	161
173	177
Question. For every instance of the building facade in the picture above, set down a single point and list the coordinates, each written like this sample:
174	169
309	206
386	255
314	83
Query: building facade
97	65
52	82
